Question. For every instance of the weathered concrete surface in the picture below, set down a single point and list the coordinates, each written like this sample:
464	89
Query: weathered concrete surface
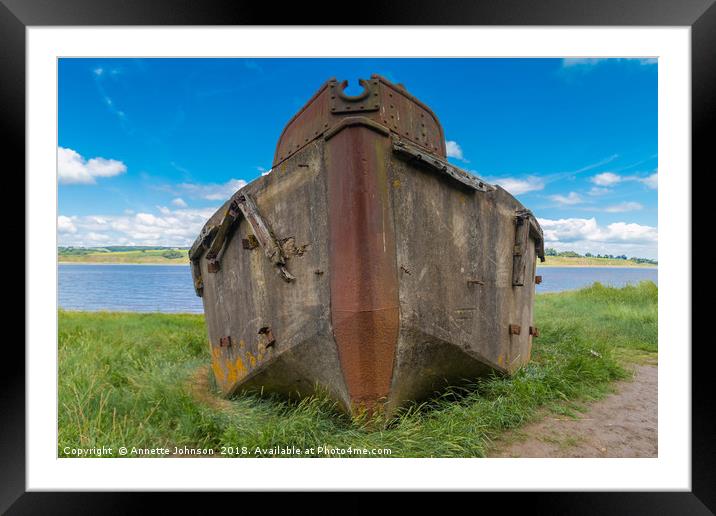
404	276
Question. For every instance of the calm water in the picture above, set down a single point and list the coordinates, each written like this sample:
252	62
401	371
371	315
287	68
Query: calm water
168	288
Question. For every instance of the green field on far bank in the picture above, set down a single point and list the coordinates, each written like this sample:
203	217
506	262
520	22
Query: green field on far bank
591	261
141	380
170	256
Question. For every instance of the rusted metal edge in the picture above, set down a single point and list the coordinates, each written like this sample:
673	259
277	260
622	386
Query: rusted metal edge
200	245
535	231
222	235
415	153
196	277
264	234
356	120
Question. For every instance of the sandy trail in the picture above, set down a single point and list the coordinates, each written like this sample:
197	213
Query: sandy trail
623	424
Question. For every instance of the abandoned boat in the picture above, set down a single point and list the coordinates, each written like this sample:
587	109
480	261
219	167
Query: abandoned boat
364	263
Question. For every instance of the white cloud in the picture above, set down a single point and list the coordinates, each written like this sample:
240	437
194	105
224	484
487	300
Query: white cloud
586	235
519	186
213	191
181	203
606	179
178	227
651	181
454	150
73	168
622	207
65	225
567	200
97	237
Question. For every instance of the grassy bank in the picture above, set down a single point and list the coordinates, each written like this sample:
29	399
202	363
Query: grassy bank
585	261
140	380
150	256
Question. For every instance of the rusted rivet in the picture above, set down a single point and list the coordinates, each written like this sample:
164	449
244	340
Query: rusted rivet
538	279
515	329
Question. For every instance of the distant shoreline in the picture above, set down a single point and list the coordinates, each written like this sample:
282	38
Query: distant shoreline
581	266
75	262
539	266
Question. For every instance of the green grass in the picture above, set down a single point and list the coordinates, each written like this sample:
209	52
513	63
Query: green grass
140	380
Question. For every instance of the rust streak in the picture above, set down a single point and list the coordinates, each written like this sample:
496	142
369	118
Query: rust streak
364	289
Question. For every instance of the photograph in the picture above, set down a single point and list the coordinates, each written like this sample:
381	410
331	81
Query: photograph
357	257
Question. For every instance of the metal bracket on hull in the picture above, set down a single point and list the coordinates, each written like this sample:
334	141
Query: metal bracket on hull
222	234
526	227
213	240
264	235
413	152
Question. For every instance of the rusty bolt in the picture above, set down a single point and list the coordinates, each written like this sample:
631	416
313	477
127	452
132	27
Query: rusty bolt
538	279
250	242
515	329
266	338
534	331
225	342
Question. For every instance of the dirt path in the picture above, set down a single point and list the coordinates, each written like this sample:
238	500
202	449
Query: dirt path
621	425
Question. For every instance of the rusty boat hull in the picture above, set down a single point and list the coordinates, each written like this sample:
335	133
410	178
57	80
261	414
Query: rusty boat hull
364	264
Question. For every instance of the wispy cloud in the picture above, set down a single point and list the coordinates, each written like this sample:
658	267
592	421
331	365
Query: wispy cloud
212	191
517	186
179	202
100	74
567	200
608	179
73	168
585	63
596	191
622	207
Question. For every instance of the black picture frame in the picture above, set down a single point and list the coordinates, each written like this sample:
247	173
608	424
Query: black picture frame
700	15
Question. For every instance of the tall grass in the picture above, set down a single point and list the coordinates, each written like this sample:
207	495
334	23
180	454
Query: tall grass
140	380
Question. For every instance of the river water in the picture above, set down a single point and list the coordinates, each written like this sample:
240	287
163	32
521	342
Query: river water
168	288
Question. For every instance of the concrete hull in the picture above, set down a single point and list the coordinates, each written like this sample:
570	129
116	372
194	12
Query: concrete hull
402	279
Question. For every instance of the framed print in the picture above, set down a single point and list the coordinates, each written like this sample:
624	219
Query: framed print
457	262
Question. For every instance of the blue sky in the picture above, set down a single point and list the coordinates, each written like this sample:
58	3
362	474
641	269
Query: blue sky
149	148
